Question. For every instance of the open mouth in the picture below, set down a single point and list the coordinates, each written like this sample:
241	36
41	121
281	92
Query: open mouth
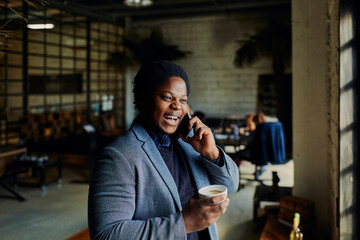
172	119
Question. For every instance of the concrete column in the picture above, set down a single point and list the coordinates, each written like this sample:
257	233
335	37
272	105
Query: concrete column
315	108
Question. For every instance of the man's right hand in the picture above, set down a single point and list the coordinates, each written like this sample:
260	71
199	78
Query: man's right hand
199	214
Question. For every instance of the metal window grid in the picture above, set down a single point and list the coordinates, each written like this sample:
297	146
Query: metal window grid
73	46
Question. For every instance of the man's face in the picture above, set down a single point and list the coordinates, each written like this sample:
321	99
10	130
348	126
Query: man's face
170	105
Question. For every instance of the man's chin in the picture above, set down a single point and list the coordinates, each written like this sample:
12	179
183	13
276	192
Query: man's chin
169	131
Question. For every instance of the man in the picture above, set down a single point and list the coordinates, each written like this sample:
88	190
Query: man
144	185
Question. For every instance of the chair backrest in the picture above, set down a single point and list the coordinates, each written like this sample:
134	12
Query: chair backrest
269	144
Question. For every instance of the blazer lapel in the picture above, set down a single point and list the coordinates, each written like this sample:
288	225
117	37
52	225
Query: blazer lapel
197	167
156	159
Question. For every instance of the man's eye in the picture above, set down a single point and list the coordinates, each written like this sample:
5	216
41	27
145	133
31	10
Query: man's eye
183	100
166	98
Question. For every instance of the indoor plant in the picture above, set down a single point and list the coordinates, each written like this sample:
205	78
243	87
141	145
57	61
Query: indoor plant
137	50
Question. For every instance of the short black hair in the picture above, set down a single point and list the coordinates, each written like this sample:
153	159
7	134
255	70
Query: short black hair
151	76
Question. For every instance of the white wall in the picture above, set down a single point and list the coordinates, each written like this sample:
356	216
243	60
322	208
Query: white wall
315	108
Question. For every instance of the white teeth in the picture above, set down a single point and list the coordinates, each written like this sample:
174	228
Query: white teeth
172	117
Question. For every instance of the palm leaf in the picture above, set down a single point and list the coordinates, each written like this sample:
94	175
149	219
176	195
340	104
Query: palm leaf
4	33
137	50
272	40
31	3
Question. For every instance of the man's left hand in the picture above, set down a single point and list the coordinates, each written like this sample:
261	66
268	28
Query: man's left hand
203	140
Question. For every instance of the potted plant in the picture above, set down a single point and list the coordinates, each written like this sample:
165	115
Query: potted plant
137	50
272	40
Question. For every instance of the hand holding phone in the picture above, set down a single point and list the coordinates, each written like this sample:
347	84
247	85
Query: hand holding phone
201	139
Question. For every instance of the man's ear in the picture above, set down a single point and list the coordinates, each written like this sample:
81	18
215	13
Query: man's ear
145	108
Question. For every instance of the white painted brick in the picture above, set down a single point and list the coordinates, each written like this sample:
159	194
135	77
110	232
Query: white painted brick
217	86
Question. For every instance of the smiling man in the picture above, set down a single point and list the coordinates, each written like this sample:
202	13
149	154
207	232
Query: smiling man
170	105
144	185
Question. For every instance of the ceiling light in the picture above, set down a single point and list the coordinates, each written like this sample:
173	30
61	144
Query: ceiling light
138	3
41	26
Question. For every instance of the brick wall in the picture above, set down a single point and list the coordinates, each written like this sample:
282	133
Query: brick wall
218	88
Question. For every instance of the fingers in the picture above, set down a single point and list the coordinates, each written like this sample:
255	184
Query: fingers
200	131
199	214
215	207
203	140
220	203
219	208
213	200
199	127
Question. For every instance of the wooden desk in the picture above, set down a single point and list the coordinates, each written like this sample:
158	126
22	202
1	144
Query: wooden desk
10	152
266	193
274	230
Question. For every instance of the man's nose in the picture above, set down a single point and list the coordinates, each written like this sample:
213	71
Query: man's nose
175	104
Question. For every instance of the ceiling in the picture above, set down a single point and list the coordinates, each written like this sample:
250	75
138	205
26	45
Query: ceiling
116	11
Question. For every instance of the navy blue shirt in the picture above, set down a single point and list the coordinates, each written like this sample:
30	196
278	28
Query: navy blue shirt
180	170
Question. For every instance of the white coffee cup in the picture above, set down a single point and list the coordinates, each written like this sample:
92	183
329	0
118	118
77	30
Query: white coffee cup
212	191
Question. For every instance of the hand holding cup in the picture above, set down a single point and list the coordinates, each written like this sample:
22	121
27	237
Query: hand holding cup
200	213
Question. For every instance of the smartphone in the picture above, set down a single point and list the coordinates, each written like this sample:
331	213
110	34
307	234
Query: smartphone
183	126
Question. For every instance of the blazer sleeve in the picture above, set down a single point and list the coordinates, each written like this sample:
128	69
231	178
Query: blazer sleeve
227	174
112	204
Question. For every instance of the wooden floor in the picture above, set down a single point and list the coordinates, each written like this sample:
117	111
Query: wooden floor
83	235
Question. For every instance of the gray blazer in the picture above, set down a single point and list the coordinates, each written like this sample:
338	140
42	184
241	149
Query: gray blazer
133	196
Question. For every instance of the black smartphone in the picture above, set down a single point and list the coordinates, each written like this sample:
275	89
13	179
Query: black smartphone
183	126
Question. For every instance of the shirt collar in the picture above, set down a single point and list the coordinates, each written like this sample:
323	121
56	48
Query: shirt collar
161	140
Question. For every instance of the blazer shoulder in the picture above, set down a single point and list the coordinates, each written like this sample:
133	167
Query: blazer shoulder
130	143
125	141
